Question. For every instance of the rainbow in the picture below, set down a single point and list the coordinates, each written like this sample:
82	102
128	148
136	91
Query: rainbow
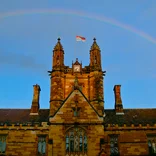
81	14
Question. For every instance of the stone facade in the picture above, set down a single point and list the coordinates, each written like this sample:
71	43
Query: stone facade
77	123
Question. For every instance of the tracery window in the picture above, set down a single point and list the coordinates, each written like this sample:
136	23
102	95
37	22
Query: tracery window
2	143
41	145
76	140
152	146
114	151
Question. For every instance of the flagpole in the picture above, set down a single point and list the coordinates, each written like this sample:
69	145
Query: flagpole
81	39
74	50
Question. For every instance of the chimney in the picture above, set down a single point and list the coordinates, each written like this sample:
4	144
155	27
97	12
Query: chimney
118	101
35	102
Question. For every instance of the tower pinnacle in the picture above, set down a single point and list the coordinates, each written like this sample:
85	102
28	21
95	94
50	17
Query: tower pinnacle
58	46
94	45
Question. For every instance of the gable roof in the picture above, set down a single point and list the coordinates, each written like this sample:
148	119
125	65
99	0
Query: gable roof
68	98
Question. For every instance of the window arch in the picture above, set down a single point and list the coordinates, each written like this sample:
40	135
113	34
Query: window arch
76	140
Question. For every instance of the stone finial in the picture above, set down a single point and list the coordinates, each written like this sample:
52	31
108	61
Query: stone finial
58	46
94	45
35	102
118	100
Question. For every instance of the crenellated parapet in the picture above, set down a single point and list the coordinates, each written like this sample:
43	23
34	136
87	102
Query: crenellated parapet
25	126
116	127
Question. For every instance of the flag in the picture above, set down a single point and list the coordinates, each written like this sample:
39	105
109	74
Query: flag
80	38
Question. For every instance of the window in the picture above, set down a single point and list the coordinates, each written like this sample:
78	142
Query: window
114	151
41	145
2	143
75	113
76	140
95	60
152	145
58	61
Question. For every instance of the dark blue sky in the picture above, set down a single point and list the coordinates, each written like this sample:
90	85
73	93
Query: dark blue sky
125	32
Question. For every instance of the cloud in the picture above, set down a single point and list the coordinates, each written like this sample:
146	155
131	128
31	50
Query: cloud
22	61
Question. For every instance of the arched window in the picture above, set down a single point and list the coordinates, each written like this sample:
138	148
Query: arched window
76	140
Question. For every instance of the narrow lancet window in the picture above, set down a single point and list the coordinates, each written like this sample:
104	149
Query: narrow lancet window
67	143
114	151
58	61
2	143
80	142
85	143
42	145
71	143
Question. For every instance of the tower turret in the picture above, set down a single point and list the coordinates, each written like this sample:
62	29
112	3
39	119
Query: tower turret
96	78
58	56
57	78
95	57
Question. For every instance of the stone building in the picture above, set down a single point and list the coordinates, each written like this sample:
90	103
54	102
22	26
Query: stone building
76	124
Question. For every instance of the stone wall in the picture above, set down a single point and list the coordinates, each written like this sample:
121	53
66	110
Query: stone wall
132	140
22	140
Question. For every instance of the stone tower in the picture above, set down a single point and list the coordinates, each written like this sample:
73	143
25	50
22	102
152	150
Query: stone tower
89	79
76	104
57	78
96	78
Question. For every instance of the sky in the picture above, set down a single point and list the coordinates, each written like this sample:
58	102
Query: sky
124	30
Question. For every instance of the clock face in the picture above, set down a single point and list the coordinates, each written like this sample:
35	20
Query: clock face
76	68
